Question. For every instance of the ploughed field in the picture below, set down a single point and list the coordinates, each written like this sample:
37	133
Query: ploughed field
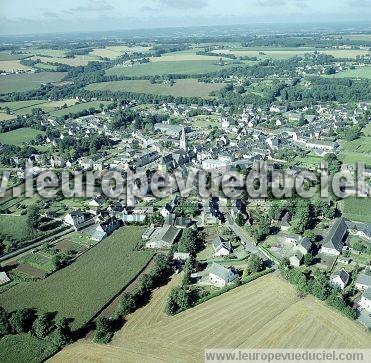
266	313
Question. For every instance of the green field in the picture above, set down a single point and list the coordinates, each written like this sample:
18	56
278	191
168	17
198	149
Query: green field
361	145
5	56
78	60
352	158
166	67
19	136
357	209
78	108
205	121
45	66
358	37
27	81
285	53
361	72
18	105
14	227
310	161
367	130
26	107
24	348
358	150
81	289
181	88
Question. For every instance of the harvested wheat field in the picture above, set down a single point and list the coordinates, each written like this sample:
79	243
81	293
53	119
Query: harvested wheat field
266	313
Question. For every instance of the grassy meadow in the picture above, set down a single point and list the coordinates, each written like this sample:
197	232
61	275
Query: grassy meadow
167	67
357	209
360	72
78	60
78	107
19	136
24	348
181	88
27	81
285	53
18	105
81	289
14	227
358	150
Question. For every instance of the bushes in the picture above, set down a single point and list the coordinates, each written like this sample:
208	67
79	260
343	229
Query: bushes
178	300
320	288
104	331
21	320
254	265
338	303
42	326
130	301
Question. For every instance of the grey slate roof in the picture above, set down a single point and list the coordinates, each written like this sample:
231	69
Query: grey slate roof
220	242
344	276
170	235
98	235
367	293
306	243
334	239
362	227
364	279
223	272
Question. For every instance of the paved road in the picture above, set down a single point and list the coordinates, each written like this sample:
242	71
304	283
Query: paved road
249	245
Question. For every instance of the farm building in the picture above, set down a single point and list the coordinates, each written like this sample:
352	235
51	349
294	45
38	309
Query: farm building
221	276
148	233
333	243
163	237
285	222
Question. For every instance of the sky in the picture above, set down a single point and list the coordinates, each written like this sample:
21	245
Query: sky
49	16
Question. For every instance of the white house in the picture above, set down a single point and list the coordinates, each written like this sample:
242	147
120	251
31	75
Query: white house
96	202
340	279
75	218
296	259
221	247
221	276
365	301
363	282
4	278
